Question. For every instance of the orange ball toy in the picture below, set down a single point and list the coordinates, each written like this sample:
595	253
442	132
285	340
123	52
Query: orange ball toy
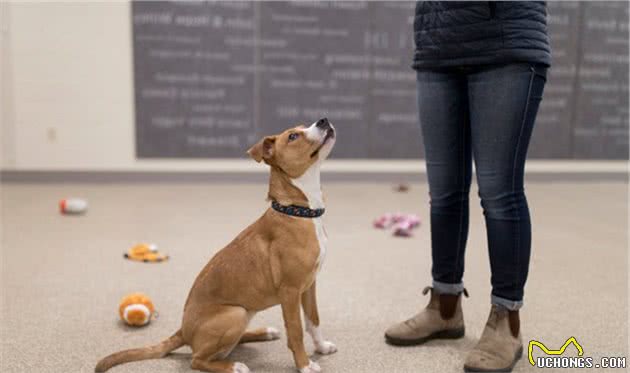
136	309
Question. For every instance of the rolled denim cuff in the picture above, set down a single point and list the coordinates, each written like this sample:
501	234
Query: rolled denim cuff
444	288
512	305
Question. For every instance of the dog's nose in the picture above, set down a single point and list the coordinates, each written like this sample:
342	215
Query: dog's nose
323	123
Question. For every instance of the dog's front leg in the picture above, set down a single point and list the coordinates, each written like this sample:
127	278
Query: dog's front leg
290	302
309	304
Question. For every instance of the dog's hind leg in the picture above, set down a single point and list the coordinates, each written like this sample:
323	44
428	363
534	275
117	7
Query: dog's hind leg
216	336
260	335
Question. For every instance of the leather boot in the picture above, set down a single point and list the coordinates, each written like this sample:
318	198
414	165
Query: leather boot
500	346
441	319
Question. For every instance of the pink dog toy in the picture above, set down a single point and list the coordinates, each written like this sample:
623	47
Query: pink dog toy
414	220
387	220
403	229
403	224
406	226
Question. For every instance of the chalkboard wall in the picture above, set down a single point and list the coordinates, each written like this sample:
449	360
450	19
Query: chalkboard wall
211	78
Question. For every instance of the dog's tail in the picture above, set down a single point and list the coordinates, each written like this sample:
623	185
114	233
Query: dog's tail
151	352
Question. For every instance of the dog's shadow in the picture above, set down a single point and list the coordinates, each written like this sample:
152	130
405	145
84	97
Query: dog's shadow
253	357
245	353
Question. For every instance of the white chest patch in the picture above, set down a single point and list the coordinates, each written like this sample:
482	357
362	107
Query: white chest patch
322	239
309	184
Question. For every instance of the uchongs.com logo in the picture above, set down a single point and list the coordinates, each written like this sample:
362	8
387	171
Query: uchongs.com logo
558	359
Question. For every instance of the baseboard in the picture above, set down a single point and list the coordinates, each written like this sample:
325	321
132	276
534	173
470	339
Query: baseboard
334	170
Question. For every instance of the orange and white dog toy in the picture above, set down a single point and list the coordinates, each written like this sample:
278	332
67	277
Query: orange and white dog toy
136	309
145	252
73	206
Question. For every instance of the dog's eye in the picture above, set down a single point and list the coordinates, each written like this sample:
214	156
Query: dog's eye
293	136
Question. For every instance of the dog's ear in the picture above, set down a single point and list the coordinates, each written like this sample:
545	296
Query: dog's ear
263	149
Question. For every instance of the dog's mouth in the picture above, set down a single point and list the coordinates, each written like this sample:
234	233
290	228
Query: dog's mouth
330	134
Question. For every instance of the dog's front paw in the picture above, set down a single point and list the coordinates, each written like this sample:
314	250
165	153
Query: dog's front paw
326	348
240	368
312	367
273	334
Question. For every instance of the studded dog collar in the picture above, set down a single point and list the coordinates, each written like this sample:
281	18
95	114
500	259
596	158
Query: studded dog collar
299	211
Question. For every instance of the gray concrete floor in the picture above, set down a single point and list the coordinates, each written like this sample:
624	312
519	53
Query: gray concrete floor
62	276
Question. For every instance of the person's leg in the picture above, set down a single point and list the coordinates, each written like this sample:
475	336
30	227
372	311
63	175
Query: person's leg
444	119
503	105
443	108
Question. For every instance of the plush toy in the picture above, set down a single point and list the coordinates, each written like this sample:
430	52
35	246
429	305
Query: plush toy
136	309
147	253
403	224
387	220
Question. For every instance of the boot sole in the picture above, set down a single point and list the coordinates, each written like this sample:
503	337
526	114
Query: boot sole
443	334
517	357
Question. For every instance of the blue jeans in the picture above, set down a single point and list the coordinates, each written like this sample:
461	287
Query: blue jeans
485	113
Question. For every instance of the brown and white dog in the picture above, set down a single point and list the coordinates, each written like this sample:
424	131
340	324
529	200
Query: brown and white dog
273	261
